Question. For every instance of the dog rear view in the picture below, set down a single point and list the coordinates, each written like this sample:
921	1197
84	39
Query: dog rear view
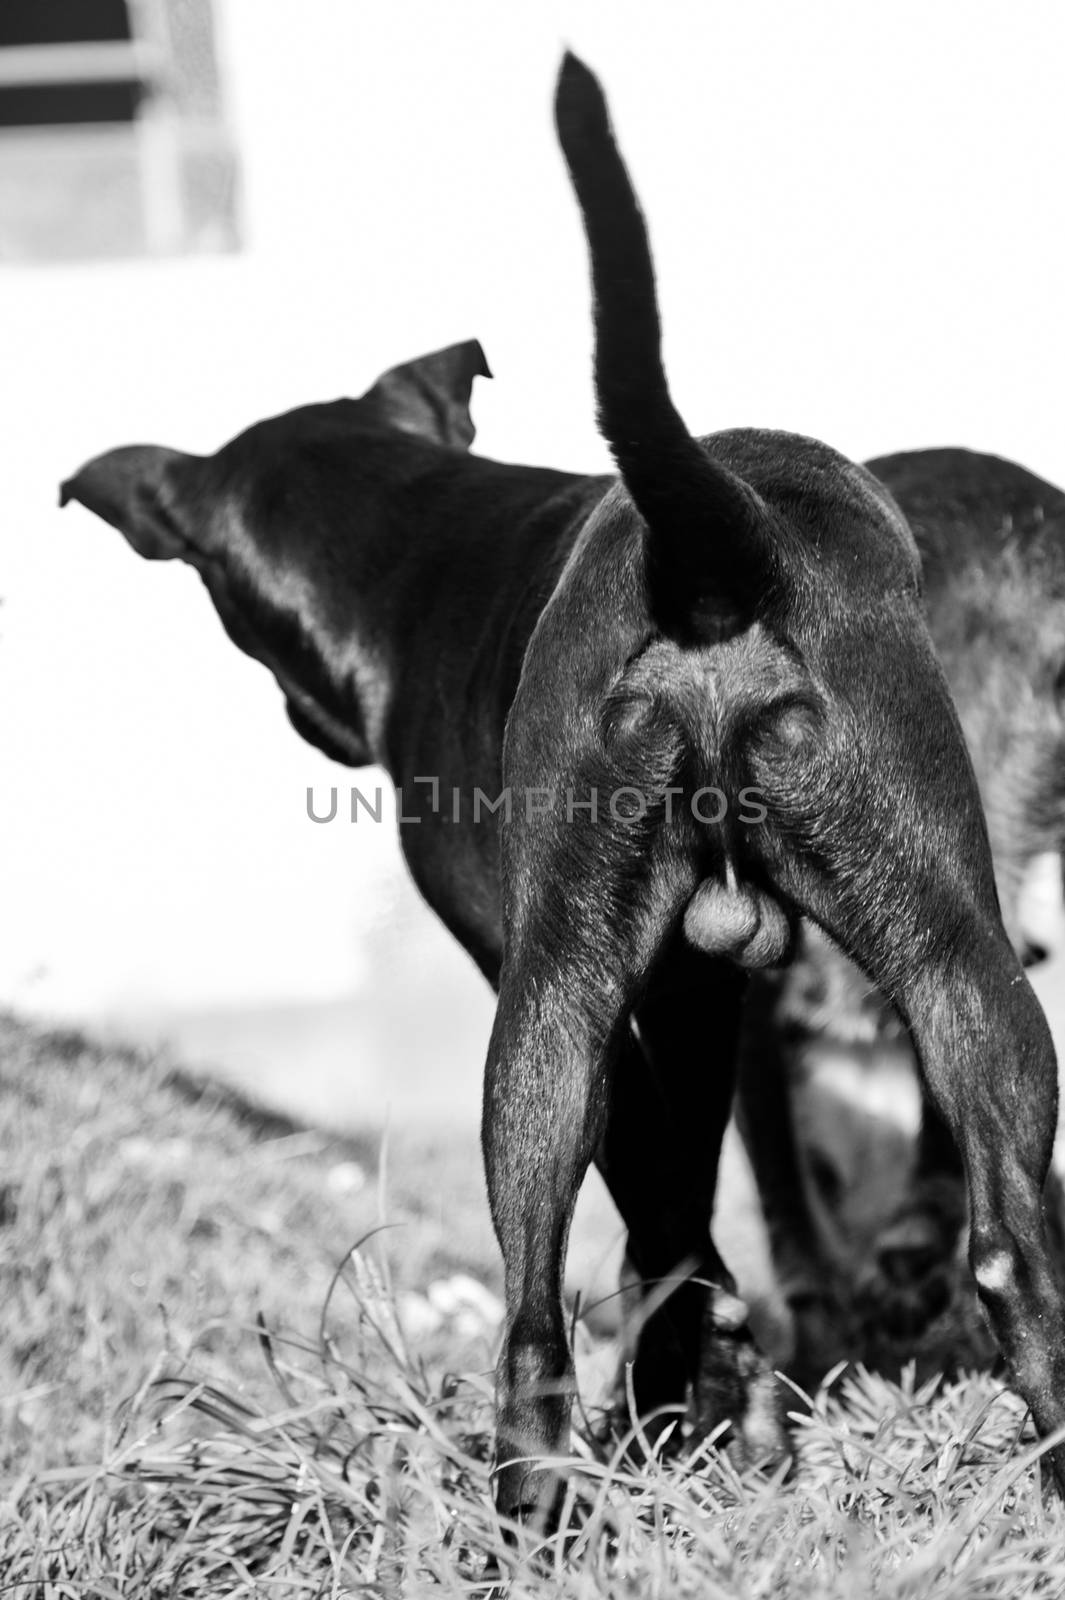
709	693
745	613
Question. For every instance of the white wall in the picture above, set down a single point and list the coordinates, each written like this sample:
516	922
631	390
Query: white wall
857	214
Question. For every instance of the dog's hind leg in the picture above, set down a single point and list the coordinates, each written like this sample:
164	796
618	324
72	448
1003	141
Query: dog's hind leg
545	1104
670	1102
1003	1123
589	910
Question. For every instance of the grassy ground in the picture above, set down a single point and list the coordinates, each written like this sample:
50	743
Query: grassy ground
204	1391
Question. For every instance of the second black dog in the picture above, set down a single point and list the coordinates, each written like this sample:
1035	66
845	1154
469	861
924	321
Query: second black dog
992	542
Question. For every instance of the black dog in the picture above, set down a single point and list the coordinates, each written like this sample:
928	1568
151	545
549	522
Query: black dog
992	543
709	692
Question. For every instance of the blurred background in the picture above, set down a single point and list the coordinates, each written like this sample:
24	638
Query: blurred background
212	210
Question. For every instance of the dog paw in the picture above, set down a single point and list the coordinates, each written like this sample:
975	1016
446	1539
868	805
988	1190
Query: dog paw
528	1495
823	1334
647	1414
737	1397
902	1313
733	1396
914	1271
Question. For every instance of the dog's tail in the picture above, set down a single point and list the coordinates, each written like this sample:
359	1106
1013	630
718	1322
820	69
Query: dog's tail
709	545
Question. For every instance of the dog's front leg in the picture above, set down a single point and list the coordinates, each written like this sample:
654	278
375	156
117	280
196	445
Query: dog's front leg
807	1267
671	1096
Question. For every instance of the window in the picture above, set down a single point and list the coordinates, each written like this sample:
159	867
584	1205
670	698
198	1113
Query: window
112	139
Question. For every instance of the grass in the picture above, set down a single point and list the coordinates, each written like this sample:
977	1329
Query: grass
204	1390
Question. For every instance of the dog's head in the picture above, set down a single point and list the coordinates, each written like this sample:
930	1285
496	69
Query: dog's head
270	524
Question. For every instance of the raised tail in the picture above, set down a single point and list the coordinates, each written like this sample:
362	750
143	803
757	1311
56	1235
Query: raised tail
710	549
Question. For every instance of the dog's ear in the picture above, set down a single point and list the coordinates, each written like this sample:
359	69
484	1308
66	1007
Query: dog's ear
136	490
431	395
